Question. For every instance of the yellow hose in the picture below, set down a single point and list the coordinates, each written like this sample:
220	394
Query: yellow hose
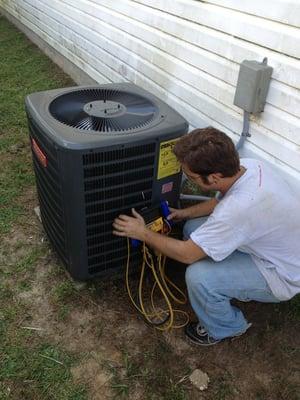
162	282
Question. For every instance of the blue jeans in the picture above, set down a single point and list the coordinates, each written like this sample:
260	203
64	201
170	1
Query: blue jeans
211	285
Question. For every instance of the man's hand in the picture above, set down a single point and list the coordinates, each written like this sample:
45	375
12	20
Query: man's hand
177	215
133	227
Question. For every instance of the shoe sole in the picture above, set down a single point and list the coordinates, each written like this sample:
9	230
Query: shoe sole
197	343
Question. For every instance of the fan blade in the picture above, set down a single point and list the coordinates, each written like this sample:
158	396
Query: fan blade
70	113
141	109
85	123
131	121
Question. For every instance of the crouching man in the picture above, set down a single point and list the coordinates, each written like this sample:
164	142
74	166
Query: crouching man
243	245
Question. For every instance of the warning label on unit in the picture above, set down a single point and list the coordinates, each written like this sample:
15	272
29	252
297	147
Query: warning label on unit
168	163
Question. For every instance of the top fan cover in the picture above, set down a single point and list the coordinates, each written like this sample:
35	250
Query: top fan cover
103	110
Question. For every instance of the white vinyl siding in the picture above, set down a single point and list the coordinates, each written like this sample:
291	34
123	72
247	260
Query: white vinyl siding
187	52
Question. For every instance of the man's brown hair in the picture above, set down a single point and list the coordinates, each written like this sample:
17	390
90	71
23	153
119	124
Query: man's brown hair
206	151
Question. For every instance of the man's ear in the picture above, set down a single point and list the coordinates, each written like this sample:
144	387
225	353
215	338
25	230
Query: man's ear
214	178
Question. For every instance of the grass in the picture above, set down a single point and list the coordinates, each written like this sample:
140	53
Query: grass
24	69
151	370
294	308
223	388
41	371
64	291
31	368
27	262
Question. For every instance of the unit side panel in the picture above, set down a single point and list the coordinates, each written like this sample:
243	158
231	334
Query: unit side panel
49	189
115	180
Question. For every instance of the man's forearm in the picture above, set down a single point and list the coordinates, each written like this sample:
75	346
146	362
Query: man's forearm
134	227
179	250
201	209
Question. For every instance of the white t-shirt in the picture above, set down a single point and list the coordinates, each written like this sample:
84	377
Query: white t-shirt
259	215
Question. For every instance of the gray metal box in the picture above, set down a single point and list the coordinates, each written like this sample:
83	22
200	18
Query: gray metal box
252	86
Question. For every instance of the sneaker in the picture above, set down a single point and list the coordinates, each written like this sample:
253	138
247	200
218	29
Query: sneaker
198	335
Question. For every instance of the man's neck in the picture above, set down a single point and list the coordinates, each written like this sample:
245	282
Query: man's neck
227	183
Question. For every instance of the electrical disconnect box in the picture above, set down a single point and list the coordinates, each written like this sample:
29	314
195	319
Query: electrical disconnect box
252	86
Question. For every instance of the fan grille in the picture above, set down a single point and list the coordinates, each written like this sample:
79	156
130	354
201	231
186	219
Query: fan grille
103	110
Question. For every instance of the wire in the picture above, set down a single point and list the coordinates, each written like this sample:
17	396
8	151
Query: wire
161	319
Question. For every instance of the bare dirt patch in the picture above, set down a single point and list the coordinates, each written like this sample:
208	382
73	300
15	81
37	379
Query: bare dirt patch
91	372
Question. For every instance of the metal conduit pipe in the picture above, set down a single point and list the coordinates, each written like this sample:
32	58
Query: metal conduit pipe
194	197
245	132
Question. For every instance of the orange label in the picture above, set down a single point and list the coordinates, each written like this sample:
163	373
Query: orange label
38	152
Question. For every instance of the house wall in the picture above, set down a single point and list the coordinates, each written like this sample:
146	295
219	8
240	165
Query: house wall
187	52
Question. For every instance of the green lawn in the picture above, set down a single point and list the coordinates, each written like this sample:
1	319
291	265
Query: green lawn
23	70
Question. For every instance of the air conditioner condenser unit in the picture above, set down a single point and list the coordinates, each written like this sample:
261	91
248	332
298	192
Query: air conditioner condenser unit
97	152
